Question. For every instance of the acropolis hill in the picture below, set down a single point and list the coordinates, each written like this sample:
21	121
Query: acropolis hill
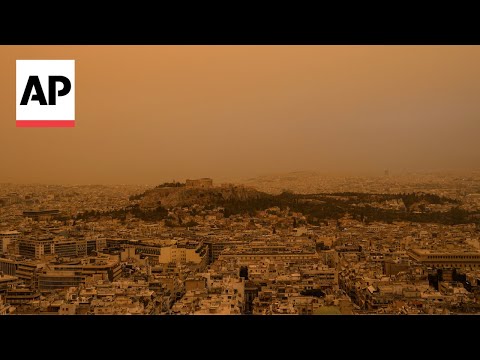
200	191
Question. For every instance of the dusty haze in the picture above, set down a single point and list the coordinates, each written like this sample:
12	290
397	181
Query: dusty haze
147	114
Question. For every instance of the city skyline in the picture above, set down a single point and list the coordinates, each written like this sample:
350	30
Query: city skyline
338	247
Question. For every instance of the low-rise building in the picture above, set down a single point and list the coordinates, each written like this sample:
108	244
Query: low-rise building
453	259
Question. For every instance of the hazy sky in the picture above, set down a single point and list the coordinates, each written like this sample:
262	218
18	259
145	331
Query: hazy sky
146	114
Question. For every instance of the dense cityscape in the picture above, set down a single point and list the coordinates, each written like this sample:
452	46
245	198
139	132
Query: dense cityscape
293	244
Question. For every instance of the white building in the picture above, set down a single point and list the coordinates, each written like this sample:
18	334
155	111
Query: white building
184	253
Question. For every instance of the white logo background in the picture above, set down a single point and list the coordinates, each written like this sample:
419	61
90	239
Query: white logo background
65	105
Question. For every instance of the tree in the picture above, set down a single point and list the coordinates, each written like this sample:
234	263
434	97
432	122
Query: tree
244	272
191	223
169	223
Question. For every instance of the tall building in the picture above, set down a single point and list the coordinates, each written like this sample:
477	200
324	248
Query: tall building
34	248
8	266
70	248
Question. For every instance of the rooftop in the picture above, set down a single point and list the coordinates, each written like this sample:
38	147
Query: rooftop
9	232
444	252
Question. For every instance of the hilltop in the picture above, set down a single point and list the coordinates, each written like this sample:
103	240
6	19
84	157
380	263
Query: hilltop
153	204
178	194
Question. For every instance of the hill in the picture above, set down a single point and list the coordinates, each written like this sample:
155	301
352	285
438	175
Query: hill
168	197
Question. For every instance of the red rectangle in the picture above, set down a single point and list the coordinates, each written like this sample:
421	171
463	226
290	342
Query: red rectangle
45	123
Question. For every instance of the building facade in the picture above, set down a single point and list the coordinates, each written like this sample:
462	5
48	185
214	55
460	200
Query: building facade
458	260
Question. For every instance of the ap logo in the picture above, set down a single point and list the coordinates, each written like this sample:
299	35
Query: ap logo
45	93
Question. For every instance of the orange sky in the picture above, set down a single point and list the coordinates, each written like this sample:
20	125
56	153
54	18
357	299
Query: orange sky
147	114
